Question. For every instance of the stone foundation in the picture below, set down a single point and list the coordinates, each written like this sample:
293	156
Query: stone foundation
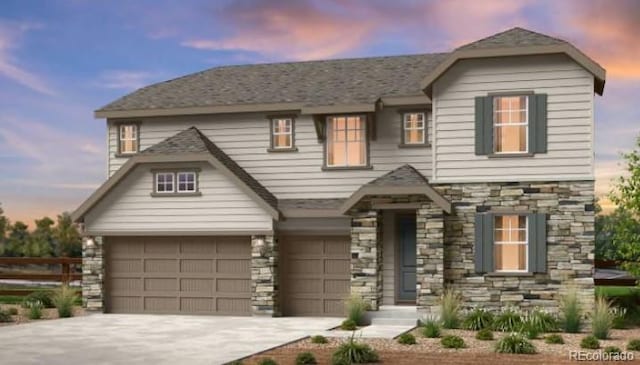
570	243
366	257
93	274
264	276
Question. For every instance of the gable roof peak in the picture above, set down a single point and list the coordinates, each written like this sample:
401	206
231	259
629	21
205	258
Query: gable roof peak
513	37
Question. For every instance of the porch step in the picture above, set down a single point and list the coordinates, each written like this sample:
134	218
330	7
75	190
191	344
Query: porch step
394	315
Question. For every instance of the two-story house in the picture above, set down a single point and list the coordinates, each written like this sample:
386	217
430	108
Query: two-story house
281	188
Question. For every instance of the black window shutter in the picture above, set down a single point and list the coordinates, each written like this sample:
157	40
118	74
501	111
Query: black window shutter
538	123
537	242
483	248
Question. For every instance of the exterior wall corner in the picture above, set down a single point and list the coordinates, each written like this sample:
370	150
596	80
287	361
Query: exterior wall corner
264	276
93	270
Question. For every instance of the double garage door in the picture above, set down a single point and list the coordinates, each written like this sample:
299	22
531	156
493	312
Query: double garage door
199	275
212	275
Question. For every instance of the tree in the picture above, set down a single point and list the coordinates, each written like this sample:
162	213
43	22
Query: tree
41	241
625	235
67	237
18	237
4	226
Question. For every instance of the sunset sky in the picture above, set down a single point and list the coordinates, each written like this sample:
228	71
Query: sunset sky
60	60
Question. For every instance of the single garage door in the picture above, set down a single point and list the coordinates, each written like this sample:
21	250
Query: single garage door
200	275
315	274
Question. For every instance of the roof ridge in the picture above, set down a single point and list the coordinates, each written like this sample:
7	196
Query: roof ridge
512	29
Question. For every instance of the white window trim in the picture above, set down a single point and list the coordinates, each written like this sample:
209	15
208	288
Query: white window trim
134	138
173	184
510	242
509	111
363	123
195	182
405	129
274	122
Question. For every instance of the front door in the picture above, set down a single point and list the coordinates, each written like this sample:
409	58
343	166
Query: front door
407	263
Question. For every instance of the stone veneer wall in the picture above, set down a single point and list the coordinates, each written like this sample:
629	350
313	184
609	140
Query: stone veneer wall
570	242
366	256
430	257
93	274
264	276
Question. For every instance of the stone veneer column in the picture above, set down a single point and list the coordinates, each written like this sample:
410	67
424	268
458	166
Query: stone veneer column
92	274
366	257
264	276
430	257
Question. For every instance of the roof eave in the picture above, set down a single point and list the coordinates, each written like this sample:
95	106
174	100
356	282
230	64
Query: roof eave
215	109
595	69
367	190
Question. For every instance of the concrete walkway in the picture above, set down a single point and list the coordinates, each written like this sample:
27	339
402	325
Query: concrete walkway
150	339
371	331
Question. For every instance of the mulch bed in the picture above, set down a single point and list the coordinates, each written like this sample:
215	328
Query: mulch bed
430	351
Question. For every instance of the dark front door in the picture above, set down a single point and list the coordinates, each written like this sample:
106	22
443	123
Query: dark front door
407	262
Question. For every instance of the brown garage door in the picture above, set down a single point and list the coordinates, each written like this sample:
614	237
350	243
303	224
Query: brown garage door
203	275
315	275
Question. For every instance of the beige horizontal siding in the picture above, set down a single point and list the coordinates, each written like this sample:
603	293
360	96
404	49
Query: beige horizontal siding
570	119
129	207
294	175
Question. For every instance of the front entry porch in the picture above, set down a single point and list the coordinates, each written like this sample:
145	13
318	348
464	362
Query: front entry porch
397	241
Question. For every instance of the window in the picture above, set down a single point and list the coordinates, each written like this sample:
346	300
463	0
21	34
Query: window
346	141
165	182
414	127
186	182
511	241
128	138
282	134
510	124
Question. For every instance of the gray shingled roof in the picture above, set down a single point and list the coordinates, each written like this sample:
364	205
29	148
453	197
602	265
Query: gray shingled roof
405	175
193	141
310	203
514	37
311	83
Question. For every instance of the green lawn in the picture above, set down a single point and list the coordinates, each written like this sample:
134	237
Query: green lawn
617	291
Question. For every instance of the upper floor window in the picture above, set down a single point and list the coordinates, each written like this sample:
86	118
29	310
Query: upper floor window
510	124
414	128
511	243
346	141
175	182
128	138
282	134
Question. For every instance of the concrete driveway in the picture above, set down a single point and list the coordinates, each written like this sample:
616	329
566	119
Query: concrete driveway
150	339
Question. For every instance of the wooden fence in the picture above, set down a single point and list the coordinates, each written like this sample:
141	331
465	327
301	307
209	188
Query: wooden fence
66	274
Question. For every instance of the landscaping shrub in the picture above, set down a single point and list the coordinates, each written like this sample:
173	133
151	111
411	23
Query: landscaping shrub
508	320
319	339
619	318
542	320
268	361
602	319
42	296
407	339
590	342
634	345
5	316
305	358
348	325
612	350
554	339
352	352
431	329
63	299
515	343
450	314
477	319
452	342
529	328
13	311
571	312
35	310
356	309
484	334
